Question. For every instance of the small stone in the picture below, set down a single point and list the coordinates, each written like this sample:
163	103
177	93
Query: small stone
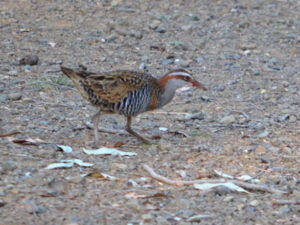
247	52
3	98
256	73
187	27
285	83
160	29
167	61
263	134
292	118
15	96
254	203
219	88
27	67
13	73
200	60
198	116
142	66
284	117
228	198
227	120
44	122
29	60
2	203
154	24
147	217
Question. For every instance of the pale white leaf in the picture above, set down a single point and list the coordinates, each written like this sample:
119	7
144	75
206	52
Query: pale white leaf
79	162
223	174
65	148
231	186
197	218
52	44
59	165
163	128
108	151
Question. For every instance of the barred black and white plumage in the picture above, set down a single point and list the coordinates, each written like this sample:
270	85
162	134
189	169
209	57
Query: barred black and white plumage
128	93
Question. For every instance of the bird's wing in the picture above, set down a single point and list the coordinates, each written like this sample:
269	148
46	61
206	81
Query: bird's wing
114	86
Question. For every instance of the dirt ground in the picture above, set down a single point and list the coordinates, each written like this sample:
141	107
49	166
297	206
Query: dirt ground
247	53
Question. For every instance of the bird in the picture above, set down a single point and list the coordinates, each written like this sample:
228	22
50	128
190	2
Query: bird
128	92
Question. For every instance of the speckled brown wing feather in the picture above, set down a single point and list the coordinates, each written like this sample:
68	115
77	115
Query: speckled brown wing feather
116	85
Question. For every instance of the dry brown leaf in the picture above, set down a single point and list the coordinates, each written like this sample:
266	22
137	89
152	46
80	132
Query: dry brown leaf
29	141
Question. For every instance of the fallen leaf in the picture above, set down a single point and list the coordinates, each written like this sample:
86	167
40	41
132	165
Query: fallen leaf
223	174
10	134
99	175
115	145
134	195
30	141
78	162
163	128
59	165
260	150
68	164
108	151
179	133
197	218
231	186
64	148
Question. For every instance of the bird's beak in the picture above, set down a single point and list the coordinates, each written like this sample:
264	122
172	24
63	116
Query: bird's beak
198	85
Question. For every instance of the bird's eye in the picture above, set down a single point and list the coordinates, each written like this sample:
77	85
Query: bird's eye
186	78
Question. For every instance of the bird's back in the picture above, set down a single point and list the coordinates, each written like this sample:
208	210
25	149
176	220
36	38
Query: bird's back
125	92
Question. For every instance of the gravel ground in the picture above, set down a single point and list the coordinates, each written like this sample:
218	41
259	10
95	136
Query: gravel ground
247	123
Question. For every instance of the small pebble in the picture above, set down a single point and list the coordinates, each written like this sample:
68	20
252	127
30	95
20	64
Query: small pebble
200	60
142	66
27	67
160	29
15	96
3	98
29	60
292	118
228	198
256	73
254	203
147	217
227	120
154	24
198	116
187	27
13	73
167	61
44	122
263	134
219	88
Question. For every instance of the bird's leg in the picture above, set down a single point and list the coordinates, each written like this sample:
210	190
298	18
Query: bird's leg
95	121
130	131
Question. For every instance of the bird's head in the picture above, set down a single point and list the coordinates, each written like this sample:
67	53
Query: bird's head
179	78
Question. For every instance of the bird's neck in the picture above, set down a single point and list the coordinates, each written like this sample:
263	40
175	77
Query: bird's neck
168	85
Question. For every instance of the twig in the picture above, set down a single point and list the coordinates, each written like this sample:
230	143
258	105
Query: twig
285	202
181	183
178	183
10	134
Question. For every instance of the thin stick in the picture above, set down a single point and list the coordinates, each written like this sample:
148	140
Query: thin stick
285	202
10	134
181	183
